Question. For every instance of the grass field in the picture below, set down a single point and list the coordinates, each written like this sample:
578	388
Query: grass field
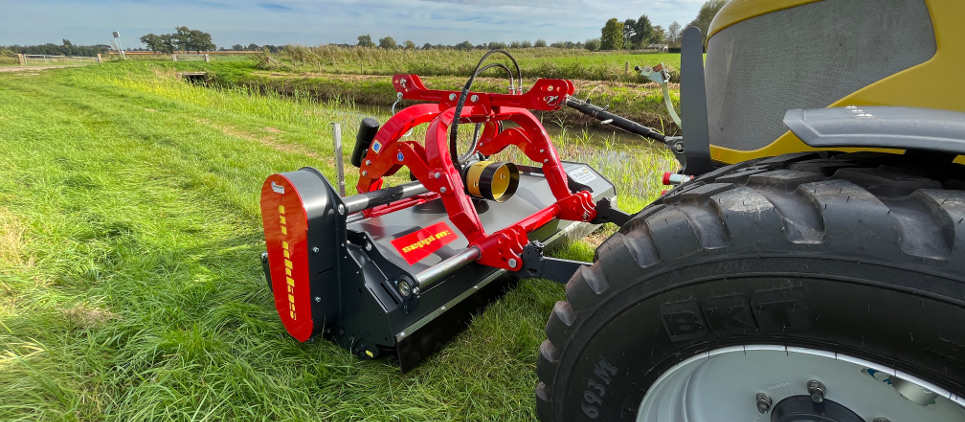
540	62
129	282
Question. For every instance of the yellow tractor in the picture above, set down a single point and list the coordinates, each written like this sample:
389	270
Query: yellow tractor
814	269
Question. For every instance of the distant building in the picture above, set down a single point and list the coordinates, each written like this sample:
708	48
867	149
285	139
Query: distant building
661	48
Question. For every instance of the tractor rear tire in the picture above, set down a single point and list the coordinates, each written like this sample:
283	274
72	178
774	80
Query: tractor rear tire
851	259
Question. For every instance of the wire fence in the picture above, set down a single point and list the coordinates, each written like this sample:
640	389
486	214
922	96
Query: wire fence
47	59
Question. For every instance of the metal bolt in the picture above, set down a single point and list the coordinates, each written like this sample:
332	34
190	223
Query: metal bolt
368	246
452	97
541	150
437	175
443	308
318	299
415	290
546	160
264	257
402	334
341	209
315	249
474	98
817	390
763	403
405	289
365	173
368	162
679	147
512	263
442	189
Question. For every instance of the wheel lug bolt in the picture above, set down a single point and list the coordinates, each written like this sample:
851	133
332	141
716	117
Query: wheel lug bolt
763	403
817	390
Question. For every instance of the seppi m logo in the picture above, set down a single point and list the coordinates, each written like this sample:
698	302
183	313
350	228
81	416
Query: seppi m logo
418	245
286	250
782	310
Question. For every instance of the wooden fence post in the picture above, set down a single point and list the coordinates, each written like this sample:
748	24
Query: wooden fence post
174	57
99	59
22	59
207	58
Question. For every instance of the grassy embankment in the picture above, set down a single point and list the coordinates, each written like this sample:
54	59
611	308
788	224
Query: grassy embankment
362	74
129	283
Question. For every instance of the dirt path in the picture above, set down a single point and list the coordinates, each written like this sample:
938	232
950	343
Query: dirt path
29	68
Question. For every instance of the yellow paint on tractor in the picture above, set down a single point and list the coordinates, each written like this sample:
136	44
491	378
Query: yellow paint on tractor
936	83
741	10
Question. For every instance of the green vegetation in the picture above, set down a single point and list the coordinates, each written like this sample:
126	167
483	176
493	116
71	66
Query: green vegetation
129	282
334	72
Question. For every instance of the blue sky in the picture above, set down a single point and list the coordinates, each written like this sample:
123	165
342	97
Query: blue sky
307	22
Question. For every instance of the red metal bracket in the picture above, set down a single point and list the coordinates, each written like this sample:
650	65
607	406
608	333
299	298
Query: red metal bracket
432	165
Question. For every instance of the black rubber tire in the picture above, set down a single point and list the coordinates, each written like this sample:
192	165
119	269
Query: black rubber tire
859	254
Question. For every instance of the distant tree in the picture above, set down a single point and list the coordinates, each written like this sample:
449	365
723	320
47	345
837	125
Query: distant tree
153	42
167	44
592	44
365	41
388	43
540	43
612	35
68	47
659	34
527	44
496	44
465	45
644	34
706	14
629	33
409	45
237	47
515	44
426	46
187	39
558	44
673	34
253	47
481	46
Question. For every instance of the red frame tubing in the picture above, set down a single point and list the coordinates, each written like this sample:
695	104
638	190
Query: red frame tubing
432	165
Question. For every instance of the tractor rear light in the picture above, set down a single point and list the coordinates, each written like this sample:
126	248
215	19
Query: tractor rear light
673	179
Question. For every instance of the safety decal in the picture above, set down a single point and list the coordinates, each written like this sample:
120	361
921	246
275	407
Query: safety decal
417	245
376	147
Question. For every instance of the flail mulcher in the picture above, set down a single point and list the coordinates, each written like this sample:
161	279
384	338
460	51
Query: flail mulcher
810	266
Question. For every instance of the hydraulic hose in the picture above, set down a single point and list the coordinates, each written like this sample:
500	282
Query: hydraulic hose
615	120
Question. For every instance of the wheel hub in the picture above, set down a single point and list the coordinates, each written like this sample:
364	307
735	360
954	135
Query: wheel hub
804	409
804	385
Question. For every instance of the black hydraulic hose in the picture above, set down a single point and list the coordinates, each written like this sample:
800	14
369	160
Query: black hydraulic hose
453	132
502	66
620	122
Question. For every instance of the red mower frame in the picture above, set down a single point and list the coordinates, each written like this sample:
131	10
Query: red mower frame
433	166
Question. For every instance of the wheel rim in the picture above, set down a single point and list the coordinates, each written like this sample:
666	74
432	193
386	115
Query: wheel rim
728	383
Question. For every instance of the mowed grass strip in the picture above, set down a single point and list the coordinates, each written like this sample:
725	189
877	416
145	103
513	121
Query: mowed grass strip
130	287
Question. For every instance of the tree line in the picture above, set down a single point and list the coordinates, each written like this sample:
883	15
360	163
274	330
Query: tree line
630	34
641	33
66	48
